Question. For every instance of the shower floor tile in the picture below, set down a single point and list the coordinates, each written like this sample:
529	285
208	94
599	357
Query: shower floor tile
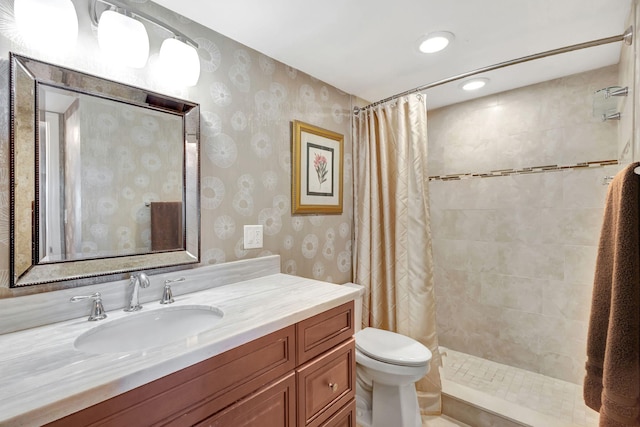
441	421
534	393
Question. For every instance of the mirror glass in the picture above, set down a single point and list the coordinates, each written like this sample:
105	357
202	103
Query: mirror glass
104	176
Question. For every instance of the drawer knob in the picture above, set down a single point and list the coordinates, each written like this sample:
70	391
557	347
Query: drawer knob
333	386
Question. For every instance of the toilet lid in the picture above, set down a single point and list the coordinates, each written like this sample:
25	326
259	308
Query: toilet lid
393	348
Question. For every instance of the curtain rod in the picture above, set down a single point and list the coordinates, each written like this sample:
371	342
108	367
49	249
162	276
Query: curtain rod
627	37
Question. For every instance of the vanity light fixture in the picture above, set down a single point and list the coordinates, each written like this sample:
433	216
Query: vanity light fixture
435	42
123	38
474	84
178	56
48	24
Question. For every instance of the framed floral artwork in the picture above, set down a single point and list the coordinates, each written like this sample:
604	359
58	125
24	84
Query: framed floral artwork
316	165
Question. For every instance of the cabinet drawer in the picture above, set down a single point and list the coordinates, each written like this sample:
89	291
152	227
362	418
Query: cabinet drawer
324	331
345	417
326	384
272	406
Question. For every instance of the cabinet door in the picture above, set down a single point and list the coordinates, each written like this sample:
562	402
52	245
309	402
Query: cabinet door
271	406
326	384
346	417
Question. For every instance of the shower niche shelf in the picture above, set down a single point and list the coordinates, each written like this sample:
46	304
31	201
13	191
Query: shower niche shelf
605	102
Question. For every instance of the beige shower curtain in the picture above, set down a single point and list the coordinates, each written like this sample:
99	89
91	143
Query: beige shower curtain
392	253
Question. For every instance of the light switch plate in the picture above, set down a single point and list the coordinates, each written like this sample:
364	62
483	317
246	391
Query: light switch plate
252	236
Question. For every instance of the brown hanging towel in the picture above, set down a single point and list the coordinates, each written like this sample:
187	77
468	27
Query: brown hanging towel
612	382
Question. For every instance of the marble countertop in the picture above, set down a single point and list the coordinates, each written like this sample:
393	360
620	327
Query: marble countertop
43	377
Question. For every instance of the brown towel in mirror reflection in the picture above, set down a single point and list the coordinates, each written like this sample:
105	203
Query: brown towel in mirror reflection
166	226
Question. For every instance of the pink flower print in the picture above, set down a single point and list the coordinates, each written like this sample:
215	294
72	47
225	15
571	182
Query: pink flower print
320	164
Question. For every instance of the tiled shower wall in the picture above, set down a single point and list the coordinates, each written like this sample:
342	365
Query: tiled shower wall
247	102
514	254
627	151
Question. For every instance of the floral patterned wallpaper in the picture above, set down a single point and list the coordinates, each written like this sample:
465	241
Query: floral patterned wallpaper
248	101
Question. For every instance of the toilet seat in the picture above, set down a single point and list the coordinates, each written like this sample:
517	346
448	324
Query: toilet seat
389	373
392	348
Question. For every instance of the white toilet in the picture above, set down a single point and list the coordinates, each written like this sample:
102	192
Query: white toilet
387	366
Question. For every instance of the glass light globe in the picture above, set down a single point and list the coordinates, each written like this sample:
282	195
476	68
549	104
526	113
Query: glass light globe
47	24
179	62
123	39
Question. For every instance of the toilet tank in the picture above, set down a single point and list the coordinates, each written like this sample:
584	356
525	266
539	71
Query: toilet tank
358	304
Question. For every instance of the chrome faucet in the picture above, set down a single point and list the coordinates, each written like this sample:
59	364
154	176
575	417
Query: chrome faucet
97	310
139	281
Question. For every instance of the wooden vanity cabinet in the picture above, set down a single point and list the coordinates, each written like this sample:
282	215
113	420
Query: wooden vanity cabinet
302	375
326	374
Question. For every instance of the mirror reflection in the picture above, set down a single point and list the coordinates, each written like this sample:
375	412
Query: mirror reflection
110	177
105	176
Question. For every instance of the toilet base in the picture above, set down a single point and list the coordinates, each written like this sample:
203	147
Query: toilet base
363	412
389	406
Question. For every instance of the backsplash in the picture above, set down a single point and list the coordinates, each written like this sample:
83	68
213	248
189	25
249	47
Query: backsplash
247	101
50	307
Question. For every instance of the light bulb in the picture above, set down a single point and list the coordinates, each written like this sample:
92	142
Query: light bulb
474	84
435	42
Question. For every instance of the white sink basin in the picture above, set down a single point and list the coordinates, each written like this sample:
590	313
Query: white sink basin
148	329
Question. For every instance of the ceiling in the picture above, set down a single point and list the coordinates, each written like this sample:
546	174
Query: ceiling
368	48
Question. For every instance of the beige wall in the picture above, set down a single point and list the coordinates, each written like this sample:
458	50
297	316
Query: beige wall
514	254
247	101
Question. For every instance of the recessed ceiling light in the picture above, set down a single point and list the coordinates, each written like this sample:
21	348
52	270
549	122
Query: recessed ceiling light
435	42
474	84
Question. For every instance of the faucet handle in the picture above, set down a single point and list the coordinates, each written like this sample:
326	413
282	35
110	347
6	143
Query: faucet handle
97	309
179	279
167	295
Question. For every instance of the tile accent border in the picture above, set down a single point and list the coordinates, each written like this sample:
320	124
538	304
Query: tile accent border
523	171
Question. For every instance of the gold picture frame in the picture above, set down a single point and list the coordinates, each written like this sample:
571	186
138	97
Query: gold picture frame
316	166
